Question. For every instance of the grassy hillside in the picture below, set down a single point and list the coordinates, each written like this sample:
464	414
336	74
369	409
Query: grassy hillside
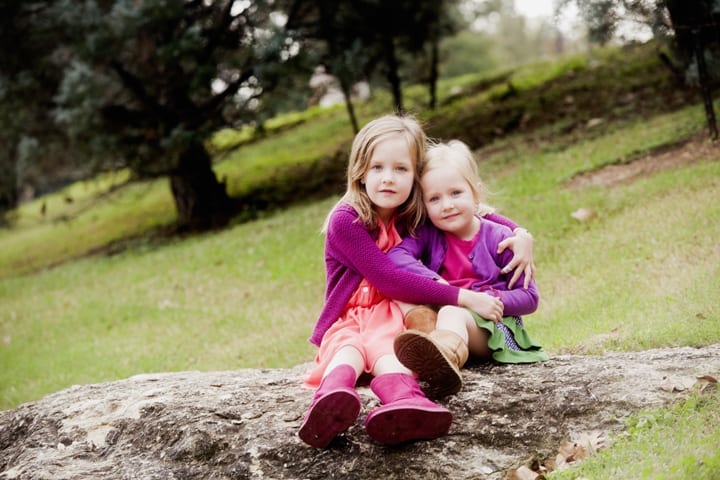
93	290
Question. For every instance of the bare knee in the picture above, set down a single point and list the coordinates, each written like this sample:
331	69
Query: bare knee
454	319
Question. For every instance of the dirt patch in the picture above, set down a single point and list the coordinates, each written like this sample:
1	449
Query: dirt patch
666	157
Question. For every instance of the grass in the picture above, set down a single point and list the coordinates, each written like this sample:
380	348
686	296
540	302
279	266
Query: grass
637	276
661	444
245	297
635	270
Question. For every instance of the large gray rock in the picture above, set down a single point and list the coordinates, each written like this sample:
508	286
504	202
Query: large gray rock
243	424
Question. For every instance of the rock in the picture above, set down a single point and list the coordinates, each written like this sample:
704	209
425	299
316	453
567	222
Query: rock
243	424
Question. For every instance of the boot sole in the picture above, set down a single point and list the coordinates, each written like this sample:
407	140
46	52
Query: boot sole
421	355
394	425
331	415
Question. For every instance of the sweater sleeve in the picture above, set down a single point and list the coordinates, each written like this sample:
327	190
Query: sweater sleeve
501	220
355	245
516	301
519	301
409	254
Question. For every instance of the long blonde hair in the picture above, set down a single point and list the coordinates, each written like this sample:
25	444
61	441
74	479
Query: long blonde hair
456	154
411	212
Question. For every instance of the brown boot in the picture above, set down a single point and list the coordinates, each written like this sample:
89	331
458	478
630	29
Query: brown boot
436	357
421	318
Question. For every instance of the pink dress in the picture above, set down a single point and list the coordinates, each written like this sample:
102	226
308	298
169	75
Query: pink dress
369	322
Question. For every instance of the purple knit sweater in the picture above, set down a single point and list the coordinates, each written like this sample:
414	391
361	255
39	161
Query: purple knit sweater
425	252
351	255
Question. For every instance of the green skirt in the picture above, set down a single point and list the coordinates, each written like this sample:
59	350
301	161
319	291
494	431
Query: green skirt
518	349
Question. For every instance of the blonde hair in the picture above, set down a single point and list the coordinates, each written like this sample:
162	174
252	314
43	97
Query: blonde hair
458	155
411	213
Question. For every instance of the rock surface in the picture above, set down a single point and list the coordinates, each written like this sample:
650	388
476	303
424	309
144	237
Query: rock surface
243	424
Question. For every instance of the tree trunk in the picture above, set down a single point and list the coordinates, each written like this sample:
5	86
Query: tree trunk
392	74
243	423
8	184
346	90
705	86
434	59
200	199
693	27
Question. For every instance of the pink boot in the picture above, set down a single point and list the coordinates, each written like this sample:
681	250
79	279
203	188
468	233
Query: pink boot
406	414
334	408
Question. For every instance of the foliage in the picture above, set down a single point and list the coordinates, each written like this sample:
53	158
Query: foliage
682	26
359	39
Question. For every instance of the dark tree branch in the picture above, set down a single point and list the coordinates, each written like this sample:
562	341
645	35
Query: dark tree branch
135	85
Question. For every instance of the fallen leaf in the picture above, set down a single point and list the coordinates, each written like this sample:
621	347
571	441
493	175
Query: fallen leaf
676	384
579	447
583	214
592	441
705	382
523	473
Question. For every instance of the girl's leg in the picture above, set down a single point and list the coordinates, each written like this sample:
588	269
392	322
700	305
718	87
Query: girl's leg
418	317
347	356
389	364
438	356
405	414
457	320
336	404
478	340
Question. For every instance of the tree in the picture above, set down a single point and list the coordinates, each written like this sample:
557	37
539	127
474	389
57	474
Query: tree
691	28
143	84
361	38
329	27
28	78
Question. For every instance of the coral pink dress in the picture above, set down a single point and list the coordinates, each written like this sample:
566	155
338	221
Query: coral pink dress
369	322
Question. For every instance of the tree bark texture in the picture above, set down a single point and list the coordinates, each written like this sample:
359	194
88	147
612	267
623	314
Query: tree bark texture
243	424
392	74
201	200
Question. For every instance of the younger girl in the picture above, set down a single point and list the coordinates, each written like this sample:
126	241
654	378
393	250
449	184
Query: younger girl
461	248
359	321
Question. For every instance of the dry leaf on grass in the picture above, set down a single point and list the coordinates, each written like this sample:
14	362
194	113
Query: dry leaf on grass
676	384
583	214
524	473
705	382
571	452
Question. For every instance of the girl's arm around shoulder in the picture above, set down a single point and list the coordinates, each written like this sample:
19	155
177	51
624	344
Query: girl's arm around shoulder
349	242
521	243
500	220
517	299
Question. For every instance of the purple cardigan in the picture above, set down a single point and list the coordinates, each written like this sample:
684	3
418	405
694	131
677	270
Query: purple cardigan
424	254
351	255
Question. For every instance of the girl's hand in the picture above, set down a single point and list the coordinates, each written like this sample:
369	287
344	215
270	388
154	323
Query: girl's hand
522	262
487	306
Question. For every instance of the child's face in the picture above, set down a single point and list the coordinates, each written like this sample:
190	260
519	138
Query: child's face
389	177
449	202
